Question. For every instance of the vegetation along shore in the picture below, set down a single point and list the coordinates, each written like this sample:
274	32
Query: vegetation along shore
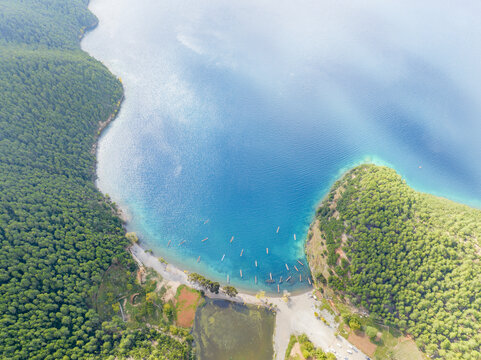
69	288
397	273
409	260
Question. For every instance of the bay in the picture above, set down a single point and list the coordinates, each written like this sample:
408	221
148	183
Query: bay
239	116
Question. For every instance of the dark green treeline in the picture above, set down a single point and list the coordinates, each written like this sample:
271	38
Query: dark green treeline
58	234
412	259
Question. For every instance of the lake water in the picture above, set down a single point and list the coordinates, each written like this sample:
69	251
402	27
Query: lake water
239	116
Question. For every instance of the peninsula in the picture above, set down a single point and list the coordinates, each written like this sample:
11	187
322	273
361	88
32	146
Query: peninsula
408	259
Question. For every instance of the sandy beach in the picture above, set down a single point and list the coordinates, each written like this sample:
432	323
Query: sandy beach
294	317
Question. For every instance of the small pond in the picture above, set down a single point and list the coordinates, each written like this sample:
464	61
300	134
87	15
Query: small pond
227	330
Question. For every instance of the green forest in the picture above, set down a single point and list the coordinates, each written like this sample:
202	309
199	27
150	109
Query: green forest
58	234
411	259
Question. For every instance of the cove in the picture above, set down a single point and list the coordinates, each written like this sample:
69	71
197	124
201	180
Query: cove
239	116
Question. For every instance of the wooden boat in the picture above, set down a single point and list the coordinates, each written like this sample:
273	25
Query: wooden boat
255	277
183	241
270	281
256	263
295	237
223	256
278	288
300	263
295	267
240	272
289	278
168	244
242	251
270	275
287	267
231	239
198	259
205	239
277	232
267	251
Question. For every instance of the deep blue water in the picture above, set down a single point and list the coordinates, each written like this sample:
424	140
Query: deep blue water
244	114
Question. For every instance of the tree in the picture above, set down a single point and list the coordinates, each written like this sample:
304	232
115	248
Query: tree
132	237
169	311
230	291
354	324
371	332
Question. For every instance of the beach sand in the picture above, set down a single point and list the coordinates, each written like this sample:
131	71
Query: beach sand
295	317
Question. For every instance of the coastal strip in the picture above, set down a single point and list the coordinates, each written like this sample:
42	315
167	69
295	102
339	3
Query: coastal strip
297	316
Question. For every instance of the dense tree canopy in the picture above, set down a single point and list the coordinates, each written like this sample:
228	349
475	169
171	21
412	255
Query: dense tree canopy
58	235
410	258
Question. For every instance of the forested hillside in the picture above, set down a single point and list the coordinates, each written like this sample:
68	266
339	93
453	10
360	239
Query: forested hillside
411	259
58	234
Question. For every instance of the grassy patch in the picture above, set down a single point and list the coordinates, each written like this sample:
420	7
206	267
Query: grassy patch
325	306
306	349
292	342
117	284
407	350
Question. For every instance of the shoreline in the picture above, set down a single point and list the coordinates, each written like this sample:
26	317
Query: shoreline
297	316
122	212
103	125
178	265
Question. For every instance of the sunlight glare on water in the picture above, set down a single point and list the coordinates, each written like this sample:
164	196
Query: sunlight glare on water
244	113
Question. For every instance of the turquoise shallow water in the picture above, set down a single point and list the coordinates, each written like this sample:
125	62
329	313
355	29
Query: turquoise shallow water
243	114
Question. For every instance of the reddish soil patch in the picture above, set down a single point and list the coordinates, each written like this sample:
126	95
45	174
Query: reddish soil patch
186	305
363	343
